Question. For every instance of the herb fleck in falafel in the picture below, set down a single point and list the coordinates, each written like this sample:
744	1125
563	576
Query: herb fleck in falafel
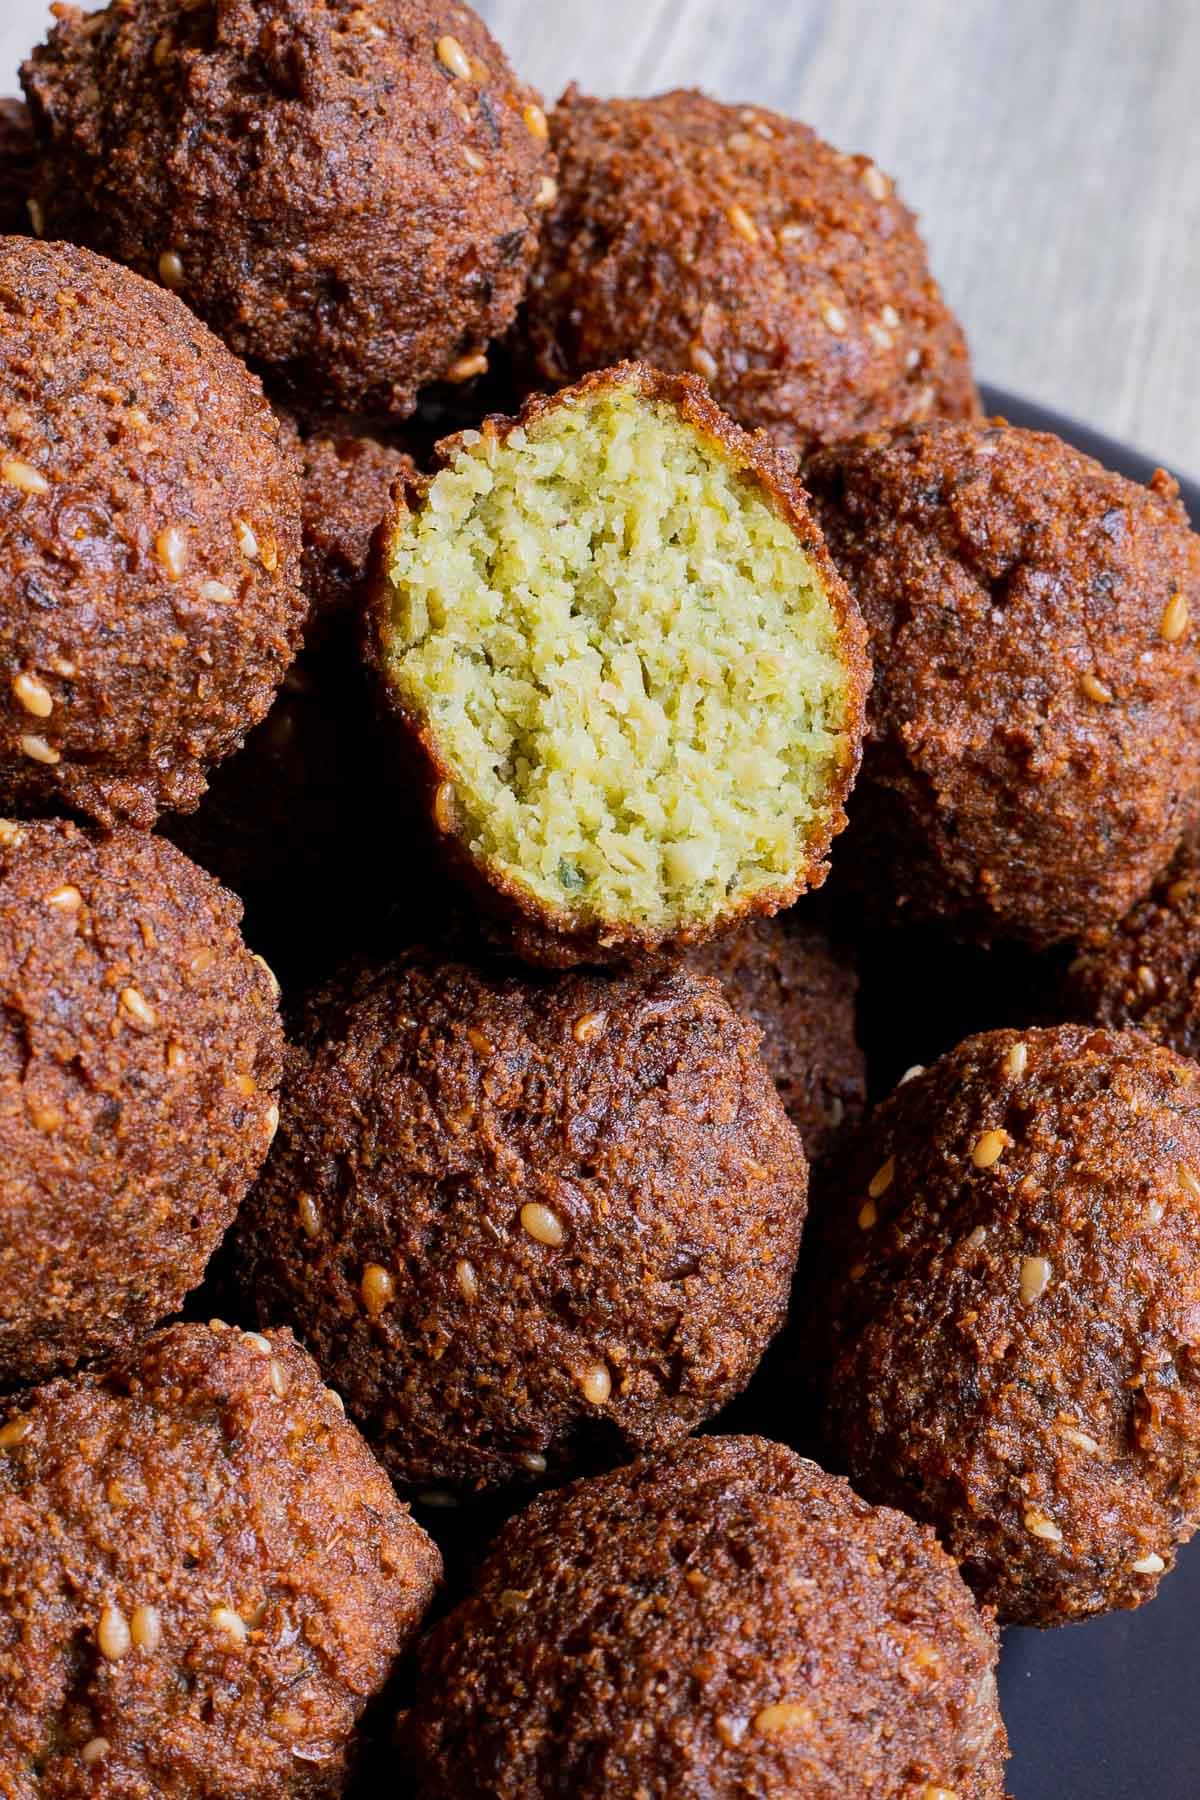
204	1577
524	1219
140	1058
727	1620
631	678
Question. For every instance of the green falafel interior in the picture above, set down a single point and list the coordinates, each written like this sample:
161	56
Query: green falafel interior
614	643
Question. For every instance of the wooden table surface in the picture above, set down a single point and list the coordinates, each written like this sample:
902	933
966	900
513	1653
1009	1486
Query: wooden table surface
1052	148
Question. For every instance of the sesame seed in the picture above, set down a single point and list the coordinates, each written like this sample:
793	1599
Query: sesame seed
473	159
468	1280
547	193
875	182
145	1628
882	1179
535	122
217	593
975	1238
67	899
741	141
589	1026
94	1751
170	269
912	359
544	1226
783	1717
911	1074
1154	1213
879	335
270	974
1035	1278
279	1380
33	695
37	217
271	1121
246	540
1147	980
257	1342
437	1498
1174	620
1179	891
1092	688
229	1623
452	56
467	367
989	1148
170	546
138	1007
1188	1181
703	361
535	1463
443	806
1039	1526
1149	1565
742	223
11	835
595	1384
1080	1439
378	1288
868	1215
176	1058
23	475
310	1217
14	1433
834	318
38	750
890	317
112	1634
1017	1060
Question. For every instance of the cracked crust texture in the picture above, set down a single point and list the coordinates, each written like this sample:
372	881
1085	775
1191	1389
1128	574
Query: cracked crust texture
519	1216
149	542
1003	1290
204	1577
140	1059
733	243
724	1619
788	979
1033	732
17	151
555	936
350	203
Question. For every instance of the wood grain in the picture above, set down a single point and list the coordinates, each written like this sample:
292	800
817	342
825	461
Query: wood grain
1052	148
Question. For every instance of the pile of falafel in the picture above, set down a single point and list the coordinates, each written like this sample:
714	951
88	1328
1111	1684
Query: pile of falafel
470	573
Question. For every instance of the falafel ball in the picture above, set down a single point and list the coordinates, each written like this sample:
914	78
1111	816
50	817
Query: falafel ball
149	542
525	1219
1009	1314
204	1577
1033	736
733	243
727	1620
140	1060
787	978
348	195
17	151
630	677
1146	970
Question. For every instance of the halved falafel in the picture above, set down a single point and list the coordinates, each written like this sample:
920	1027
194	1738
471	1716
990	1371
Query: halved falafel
149	542
631	677
204	1577
525	1219
727	1620
1004	1297
733	243
1033	738
140	1059
349	195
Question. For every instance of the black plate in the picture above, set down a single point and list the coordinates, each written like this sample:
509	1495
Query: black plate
1109	1710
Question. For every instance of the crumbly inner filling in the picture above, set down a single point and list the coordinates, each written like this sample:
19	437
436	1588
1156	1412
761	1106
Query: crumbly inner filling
627	661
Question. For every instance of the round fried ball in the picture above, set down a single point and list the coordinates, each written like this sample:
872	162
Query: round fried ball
17	150
140	1060
727	1620
349	195
1033	737
787	978
149	542
1009	1314
517	1216
204	1577
734	244
630	678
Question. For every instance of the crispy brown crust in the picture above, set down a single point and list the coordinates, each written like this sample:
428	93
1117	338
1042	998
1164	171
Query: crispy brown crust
1009	1347
787	979
371	229
722	241
17	153
424	1107
555	936
138	453
140	1060
632	1637
210	1470
1033	734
